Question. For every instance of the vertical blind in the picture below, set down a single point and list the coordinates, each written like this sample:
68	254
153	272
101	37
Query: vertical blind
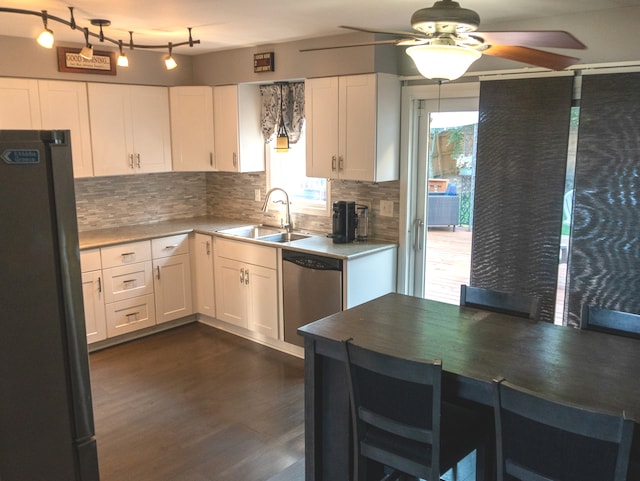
604	259
523	133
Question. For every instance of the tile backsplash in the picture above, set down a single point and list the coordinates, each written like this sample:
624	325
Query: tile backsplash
105	202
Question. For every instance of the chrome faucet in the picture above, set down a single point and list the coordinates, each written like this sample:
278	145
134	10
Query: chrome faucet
265	207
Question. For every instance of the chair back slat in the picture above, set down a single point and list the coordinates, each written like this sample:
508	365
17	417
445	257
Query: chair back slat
610	321
516	304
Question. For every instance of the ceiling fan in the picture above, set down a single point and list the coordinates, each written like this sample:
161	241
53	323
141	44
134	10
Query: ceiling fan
445	42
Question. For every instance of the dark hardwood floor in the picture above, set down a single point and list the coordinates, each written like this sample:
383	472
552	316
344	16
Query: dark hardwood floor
197	404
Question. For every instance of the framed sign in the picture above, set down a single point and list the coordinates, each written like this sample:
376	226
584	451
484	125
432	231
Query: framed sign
263	62
69	60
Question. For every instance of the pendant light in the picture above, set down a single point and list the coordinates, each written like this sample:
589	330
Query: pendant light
282	139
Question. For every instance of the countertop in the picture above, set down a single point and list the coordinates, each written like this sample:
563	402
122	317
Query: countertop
316	244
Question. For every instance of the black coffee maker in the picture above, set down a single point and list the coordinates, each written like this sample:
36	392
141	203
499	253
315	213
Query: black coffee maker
345	221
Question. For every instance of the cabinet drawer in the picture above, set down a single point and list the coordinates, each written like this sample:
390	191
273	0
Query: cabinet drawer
125	254
125	282
168	246
246	252
130	315
90	260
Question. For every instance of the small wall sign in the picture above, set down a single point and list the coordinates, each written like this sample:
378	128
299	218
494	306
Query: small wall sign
69	60
263	62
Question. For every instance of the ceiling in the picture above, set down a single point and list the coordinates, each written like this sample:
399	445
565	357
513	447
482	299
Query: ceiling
229	24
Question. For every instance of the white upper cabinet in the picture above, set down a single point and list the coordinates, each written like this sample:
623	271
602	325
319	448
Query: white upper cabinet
353	127
19	104
130	129
239	144
192	128
64	106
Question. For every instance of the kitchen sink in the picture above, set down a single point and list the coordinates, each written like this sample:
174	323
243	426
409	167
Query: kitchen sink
265	233
284	237
253	231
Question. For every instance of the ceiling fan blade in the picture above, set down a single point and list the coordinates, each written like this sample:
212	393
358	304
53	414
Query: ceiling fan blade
397	33
531	56
532	38
364	44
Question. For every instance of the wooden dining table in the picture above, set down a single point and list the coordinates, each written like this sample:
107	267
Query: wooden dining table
594	370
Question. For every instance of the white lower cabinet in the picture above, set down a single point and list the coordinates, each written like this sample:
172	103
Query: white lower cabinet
172	277
247	286
130	315
204	294
93	295
128	287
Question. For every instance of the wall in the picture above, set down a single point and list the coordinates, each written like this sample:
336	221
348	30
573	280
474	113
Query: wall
23	57
230	194
107	202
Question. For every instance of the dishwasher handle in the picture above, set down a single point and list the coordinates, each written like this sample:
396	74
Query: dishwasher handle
312	261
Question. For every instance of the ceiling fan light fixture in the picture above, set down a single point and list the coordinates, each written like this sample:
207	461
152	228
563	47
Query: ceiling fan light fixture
442	62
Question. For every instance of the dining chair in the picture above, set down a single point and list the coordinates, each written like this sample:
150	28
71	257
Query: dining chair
520	305
399	420
613	322
538	439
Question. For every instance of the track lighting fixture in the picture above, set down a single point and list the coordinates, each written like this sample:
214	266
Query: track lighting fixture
87	50
46	36
169	61
46	39
123	61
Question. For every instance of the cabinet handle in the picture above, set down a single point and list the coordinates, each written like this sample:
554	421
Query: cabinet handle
242	276
208	248
333	162
99	284
174	246
127	254
235	159
129	283
138	157
131	161
134	314
246	277
341	163
211	159
158	272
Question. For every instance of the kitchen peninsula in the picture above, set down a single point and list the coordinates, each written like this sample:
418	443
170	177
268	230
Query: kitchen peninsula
176	259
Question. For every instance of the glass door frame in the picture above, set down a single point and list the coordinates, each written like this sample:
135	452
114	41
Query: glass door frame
418	101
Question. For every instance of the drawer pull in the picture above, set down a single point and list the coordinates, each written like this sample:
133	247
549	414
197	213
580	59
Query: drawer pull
127	254
129	284
134	314
174	246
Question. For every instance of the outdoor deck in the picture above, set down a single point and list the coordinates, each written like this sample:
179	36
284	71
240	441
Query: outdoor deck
449	265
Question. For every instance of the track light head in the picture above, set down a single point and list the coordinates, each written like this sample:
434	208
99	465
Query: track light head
87	50
45	39
169	61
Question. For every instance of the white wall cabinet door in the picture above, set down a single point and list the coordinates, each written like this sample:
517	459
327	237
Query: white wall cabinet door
353	127
172	287
19	104
204	275
262	285
231	295
64	105
239	144
321	116
94	306
192	140
130	129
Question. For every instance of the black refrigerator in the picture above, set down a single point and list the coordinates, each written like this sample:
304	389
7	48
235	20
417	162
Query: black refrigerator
46	415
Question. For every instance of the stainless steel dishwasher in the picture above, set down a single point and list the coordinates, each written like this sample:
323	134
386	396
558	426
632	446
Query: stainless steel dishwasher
312	287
